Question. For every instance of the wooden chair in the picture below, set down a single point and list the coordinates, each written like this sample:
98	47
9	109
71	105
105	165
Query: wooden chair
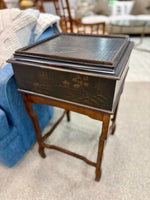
69	24
2	4
39	5
62	9
95	28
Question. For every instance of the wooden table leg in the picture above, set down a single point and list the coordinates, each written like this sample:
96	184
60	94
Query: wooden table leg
113	126
103	137
35	122
68	115
40	139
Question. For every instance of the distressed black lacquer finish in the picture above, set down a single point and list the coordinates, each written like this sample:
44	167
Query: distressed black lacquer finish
81	73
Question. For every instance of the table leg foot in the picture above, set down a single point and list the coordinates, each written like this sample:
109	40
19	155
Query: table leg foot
98	174
68	115
42	152
113	129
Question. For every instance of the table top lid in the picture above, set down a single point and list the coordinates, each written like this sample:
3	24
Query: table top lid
91	53
75	47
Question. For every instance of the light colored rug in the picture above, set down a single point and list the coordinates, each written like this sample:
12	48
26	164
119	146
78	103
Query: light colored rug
140	61
125	166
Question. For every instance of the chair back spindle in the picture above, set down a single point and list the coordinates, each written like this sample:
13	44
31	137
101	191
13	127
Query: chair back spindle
2	4
70	24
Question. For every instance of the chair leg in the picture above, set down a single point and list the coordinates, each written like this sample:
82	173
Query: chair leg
36	125
103	137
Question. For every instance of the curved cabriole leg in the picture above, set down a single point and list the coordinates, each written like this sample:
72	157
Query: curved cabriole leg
35	122
103	137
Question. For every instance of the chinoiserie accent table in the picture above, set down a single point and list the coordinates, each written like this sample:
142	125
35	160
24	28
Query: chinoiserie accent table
75	72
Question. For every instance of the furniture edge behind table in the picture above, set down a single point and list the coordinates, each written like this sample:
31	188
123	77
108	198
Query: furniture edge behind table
72	84
143	24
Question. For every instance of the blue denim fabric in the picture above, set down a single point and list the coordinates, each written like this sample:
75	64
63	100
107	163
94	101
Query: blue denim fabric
16	130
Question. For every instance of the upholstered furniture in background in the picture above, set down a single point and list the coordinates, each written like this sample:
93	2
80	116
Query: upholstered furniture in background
16	130
106	11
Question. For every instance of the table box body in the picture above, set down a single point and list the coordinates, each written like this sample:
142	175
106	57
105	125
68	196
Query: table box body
93	83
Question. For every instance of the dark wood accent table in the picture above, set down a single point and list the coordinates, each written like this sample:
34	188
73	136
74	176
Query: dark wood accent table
90	86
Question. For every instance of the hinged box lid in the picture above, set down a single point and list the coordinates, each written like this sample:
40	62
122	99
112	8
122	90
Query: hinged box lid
90	53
